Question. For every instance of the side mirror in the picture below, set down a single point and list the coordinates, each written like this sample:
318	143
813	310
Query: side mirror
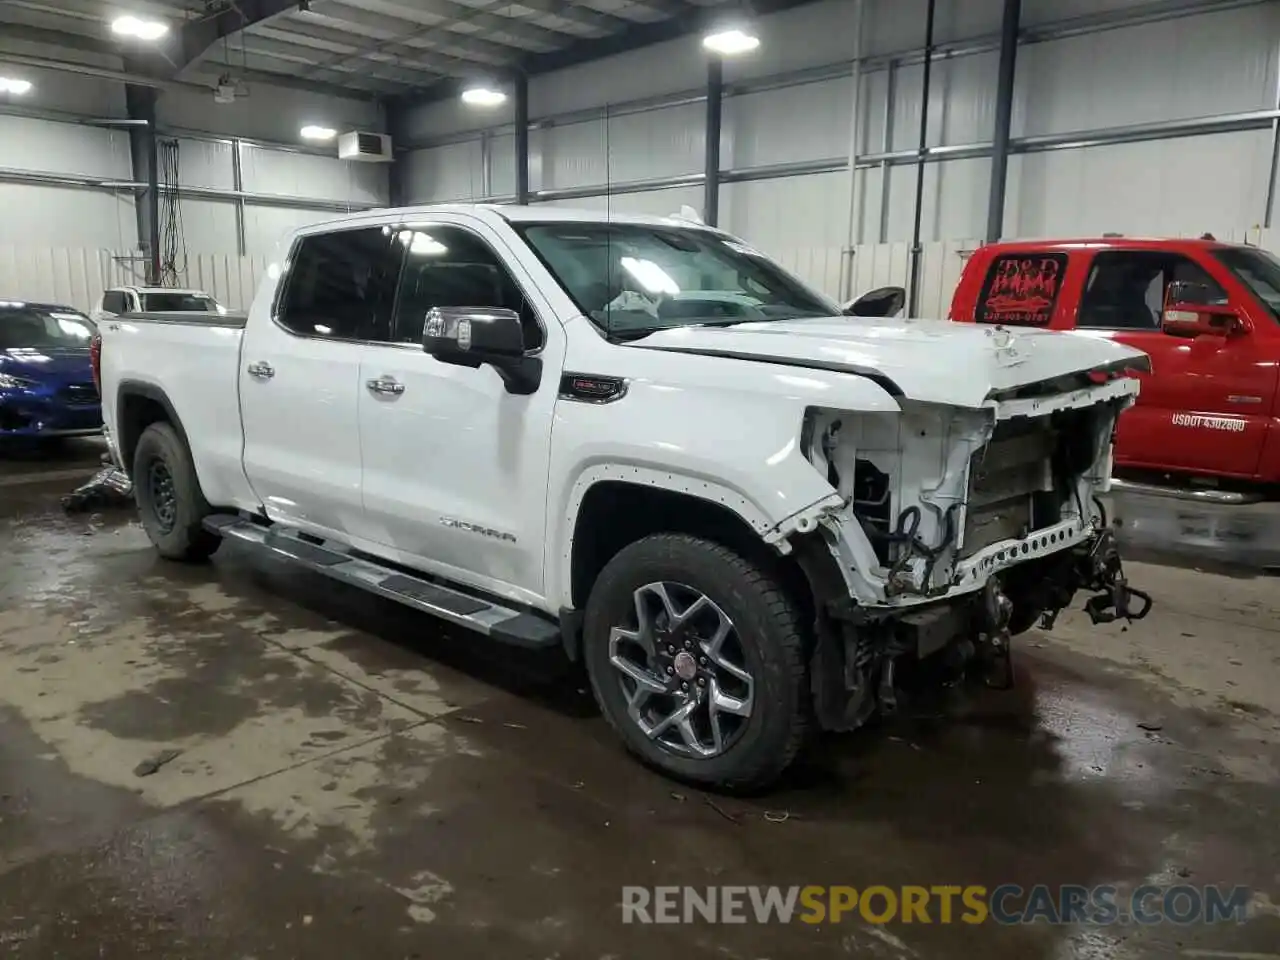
1197	310
881	302
471	336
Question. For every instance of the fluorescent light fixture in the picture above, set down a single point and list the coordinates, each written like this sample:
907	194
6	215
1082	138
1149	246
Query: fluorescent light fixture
311	132
14	85
650	276
730	43
481	96
138	28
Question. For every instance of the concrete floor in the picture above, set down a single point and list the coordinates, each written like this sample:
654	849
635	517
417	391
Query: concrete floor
354	781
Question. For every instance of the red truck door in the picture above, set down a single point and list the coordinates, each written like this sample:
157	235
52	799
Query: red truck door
1206	405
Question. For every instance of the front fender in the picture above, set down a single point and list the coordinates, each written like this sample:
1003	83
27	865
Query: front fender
736	443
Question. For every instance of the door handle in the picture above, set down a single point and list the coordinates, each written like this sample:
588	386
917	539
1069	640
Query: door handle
386	386
261	370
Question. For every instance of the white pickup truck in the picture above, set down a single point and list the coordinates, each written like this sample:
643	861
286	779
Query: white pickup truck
643	441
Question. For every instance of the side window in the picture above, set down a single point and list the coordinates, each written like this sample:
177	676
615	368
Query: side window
343	285
1021	289
1125	289
451	267
113	302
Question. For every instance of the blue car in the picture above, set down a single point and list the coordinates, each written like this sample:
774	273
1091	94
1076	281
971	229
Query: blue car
46	382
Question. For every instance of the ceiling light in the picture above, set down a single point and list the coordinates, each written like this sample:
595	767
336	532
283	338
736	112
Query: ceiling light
730	43
317	133
14	86
138	28
483	96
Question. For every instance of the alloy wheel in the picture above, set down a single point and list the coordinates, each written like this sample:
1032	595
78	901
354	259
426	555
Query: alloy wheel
682	670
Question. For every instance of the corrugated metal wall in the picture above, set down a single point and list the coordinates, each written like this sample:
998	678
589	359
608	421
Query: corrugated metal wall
242	186
1091	75
77	277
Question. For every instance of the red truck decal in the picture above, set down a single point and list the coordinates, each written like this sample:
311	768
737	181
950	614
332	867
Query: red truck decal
1022	290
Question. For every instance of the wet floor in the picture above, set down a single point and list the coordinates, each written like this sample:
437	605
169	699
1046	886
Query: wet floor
352	780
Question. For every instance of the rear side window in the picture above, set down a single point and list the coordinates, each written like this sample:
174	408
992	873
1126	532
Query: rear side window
177	303
342	285
1021	289
113	302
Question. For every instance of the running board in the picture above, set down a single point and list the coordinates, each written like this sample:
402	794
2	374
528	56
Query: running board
1199	494
448	603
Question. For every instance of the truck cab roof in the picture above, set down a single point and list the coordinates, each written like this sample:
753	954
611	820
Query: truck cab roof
1103	243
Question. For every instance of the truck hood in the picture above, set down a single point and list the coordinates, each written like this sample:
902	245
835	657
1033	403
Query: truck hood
932	361
47	364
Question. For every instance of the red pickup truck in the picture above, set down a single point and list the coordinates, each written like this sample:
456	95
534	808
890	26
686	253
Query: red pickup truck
1207	313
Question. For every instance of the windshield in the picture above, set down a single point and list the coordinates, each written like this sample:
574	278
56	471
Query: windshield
177	302
1258	270
632	279
31	326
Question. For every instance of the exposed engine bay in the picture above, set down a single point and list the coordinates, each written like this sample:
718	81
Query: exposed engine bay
959	528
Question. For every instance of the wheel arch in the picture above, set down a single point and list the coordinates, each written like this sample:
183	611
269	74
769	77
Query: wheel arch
138	405
612	508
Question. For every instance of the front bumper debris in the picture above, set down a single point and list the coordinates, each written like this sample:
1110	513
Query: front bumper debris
855	658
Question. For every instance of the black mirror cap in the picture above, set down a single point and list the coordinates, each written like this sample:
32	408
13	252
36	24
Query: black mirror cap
472	336
881	302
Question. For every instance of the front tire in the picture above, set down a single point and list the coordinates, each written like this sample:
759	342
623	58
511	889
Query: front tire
170	503
696	659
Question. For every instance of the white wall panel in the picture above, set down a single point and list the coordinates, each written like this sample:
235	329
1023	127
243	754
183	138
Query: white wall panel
1215	183
962	100
266	113
502	165
452	172
208	226
445	118
822	33
306	175
635	146
658	203
266	229
802	221
27	144
63	217
651	71
790	123
1222	62
205	163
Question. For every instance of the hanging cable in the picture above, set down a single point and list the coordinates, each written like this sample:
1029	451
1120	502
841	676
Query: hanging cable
173	242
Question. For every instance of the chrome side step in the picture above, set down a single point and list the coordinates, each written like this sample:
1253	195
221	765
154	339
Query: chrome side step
448	603
1198	494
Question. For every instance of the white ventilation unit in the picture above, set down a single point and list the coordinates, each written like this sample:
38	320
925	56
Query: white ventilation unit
366	147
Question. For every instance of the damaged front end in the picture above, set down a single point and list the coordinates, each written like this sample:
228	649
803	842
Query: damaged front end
955	529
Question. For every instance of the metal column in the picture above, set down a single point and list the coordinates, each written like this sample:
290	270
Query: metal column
711	178
141	105
394	111
1268	212
522	138
1004	117
237	183
913	304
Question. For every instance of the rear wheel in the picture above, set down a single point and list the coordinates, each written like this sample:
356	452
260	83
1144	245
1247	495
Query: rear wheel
696	659
170	504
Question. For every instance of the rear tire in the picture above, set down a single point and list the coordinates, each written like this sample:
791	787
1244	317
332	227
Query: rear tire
742	705
170	504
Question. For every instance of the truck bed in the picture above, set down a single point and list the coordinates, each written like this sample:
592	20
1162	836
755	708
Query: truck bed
192	359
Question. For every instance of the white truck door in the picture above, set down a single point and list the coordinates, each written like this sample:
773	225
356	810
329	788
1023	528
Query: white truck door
455	467
300	379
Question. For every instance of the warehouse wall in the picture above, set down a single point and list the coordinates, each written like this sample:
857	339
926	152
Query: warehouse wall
242	184
1129	116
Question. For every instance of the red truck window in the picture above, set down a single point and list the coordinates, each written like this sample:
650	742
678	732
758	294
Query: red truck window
1125	289
1021	289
